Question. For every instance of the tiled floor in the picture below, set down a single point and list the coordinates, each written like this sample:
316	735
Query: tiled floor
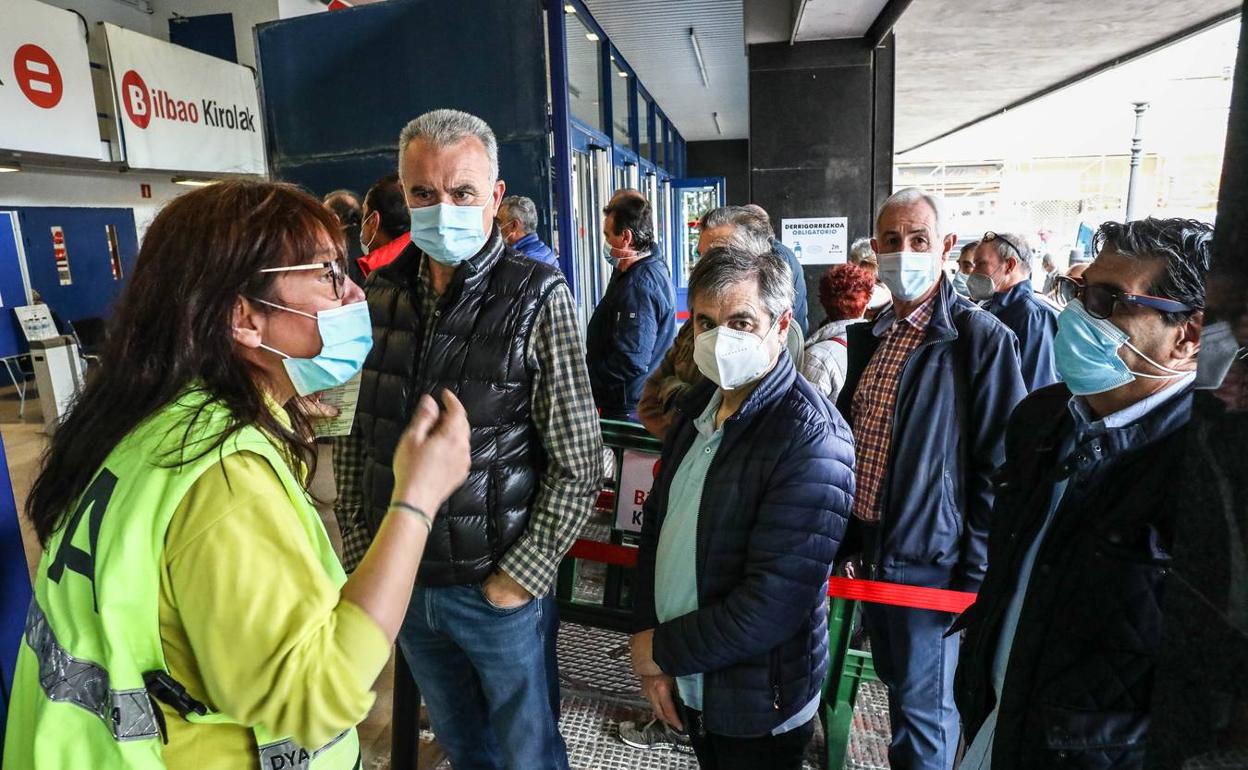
599	690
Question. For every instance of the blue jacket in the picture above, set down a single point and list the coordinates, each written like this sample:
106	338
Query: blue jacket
773	512
532	247
799	285
954	399
1034	322
632	327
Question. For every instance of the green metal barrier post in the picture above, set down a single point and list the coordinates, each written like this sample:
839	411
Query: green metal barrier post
847	668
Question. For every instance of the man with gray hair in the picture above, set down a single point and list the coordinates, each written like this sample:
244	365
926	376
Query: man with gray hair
517	221
929	388
748	230
731	641
1002	281
459	309
756	219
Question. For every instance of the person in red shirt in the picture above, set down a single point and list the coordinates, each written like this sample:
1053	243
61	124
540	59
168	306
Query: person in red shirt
384	224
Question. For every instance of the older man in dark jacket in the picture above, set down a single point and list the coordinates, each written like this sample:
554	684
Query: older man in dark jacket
635	321
929	389
1002	281
1058	665
741	529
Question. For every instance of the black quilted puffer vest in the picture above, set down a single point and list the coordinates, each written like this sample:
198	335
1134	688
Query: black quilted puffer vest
478	351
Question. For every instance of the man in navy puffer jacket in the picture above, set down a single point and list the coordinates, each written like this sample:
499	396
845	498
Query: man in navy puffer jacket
740	530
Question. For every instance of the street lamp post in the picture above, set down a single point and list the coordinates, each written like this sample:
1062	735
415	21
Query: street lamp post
1137	147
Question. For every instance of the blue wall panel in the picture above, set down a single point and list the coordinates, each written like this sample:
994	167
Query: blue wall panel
339	87
93	290
14	589
12	293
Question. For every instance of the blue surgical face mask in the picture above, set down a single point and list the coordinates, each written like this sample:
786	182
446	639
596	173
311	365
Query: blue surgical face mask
908	274
346	338
607	254
1085	352
449	234
959	283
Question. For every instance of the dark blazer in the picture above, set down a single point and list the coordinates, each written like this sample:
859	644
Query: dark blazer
1079	680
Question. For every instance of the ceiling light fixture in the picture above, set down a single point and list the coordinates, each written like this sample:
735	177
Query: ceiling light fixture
591	37
569	8
6	167
697	53
622	73
193	181
715	117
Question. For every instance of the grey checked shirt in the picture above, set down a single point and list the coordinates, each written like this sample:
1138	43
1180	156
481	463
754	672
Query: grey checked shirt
562	408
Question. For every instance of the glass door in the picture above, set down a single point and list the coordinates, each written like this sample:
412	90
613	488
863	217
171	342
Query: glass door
692	199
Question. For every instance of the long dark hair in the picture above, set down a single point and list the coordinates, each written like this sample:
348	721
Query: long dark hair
172	329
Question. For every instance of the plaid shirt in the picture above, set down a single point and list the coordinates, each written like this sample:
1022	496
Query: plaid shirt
561	407
875	401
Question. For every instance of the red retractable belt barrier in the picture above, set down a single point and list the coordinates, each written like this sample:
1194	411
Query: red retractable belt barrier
899	595
875	591
594	550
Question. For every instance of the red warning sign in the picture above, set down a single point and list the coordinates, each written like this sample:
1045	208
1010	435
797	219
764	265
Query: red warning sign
38	76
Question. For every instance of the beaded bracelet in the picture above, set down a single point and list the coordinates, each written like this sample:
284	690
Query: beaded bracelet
417	511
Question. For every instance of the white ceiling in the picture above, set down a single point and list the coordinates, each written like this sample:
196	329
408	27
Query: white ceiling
958	60
836	19
653	36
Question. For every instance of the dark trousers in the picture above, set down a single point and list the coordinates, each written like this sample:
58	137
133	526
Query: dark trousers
767	752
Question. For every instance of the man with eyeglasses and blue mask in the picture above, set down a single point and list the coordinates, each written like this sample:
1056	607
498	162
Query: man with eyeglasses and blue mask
459	309
1001	279
1058	663
929	388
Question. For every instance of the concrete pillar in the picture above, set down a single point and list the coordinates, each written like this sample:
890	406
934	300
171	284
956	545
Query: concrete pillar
821	134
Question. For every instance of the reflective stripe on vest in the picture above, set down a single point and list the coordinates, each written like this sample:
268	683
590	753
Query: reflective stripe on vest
128	713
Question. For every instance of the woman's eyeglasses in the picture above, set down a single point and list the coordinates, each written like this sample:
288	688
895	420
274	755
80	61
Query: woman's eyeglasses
335	271
1099	300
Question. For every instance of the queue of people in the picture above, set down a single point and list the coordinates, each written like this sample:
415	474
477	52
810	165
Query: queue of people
1009	450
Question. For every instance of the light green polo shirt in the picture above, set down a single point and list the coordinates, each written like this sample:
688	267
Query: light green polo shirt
676	563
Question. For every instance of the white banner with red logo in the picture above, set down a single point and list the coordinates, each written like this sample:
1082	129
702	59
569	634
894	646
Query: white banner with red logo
181	110
46	101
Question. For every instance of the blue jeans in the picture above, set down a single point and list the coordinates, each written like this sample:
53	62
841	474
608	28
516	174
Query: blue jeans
916	662
488	677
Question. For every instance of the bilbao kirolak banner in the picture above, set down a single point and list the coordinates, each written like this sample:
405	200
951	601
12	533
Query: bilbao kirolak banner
46	101
181	110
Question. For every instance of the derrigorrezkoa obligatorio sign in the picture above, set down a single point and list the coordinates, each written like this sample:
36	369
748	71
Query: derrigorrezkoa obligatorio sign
180	110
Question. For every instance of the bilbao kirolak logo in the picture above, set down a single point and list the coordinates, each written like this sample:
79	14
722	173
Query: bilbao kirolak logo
135	95
38	76
143	104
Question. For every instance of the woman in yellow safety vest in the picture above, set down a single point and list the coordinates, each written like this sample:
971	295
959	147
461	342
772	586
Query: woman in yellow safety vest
189	610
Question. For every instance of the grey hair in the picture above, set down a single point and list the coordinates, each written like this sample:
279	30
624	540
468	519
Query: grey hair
908	197
442	128
753	220
741	238
523	209
860	250
1004	251
726	266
